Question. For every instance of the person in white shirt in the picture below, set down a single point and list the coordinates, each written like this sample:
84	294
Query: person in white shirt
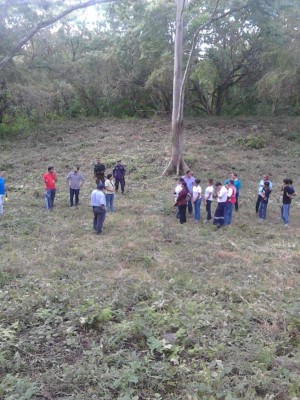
208	198
221	193
231	199
196	199
98	203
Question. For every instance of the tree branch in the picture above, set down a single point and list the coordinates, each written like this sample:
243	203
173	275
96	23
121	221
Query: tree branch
44	24
212	19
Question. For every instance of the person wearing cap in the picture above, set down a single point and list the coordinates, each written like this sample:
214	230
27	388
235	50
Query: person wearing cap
75	180
119	176
98	203
50	179
99	170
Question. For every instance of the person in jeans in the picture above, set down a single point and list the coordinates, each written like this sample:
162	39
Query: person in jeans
75	180
110	192
262	211
196	199
260	189
119	176
231	199
288	193
189	180
50	179
2	192
98	203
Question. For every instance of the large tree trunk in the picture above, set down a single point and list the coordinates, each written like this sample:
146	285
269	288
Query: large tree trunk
177	164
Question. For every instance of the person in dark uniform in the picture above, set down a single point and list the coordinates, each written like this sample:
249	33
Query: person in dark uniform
99	171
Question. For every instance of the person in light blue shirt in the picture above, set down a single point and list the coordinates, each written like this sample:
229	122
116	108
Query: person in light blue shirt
189	180
98	203
2	192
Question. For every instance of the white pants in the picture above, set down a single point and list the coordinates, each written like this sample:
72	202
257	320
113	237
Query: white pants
1	203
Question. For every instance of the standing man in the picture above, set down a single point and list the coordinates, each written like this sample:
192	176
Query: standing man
50	180
2	191
98	204
119	176
260	189
221	193
287	196
75	180
208	198
99	170
189	180
237	184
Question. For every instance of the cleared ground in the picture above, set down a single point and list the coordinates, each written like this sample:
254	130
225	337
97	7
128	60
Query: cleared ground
151	309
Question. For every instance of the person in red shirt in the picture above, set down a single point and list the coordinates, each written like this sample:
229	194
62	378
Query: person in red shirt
50	180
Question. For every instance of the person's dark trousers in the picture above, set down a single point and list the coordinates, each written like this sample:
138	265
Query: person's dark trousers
182	213
120	181
74	192
236	205
50	195
219	215
208	209
190	207
99	217
258	203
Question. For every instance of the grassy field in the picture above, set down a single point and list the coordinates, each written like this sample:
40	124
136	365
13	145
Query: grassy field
151	309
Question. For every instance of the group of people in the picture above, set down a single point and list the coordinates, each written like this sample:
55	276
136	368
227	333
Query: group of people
102	198
188	194
188	197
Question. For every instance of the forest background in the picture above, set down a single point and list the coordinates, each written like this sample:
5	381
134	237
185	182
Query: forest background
122	64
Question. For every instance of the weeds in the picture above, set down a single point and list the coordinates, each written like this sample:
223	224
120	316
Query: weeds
153	309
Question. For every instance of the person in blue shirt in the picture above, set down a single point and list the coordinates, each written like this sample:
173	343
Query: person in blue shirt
2	191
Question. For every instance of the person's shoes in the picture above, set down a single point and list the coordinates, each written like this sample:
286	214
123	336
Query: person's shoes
286	225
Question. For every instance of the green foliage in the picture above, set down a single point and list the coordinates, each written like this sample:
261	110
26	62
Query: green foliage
14	388
253	142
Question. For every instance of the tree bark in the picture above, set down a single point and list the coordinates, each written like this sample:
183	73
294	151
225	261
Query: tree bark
177	164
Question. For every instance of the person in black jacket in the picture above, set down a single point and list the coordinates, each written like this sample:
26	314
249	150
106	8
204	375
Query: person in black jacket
99	170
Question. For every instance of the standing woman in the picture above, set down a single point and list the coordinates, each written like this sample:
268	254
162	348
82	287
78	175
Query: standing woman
110	192
197	199
181	202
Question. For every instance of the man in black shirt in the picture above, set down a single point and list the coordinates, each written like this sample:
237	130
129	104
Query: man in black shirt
99	170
